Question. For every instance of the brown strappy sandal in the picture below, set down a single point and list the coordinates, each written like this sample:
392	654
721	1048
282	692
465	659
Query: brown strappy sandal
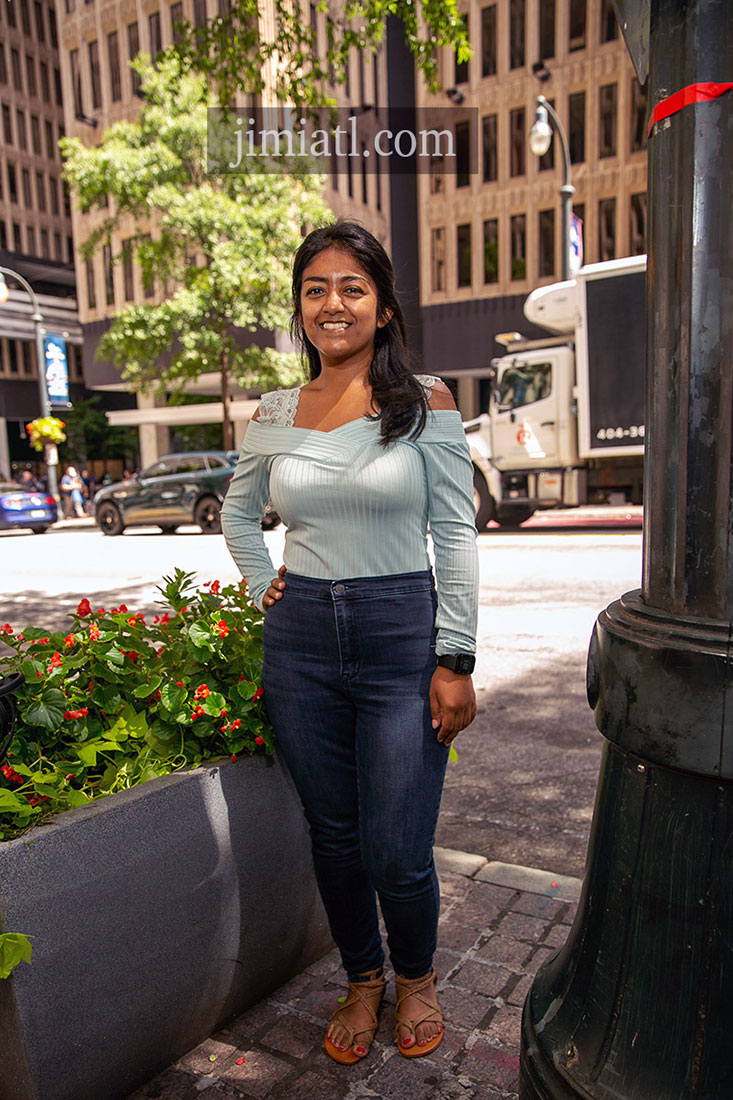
369	994
414	987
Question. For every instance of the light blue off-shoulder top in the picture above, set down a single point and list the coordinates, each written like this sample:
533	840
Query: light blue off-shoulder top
354	508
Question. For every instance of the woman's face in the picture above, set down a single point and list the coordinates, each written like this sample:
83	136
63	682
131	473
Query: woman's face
338	306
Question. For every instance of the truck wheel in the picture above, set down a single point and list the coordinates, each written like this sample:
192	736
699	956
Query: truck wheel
109	519
513	517
482	500
208	516
168	528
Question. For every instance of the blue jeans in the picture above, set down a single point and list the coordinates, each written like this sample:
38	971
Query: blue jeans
347	673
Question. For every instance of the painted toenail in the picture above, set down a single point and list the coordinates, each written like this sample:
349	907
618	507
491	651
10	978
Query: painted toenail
422	1042
359	1050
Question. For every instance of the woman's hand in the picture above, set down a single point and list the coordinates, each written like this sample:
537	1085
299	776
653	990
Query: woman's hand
452	703
276	589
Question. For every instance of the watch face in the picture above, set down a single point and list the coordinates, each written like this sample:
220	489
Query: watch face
465	664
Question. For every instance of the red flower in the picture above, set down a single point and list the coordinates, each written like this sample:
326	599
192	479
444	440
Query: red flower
259	740
259	693
234	758
133	656
236	724
7	629
72	715
102	611
69	640
215	586
123	607
223	712
182	609
57	660
84	608
179	683
202	692
223	628
93	632
165	619
40	641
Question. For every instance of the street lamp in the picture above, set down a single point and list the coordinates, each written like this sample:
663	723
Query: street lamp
37	318
540	138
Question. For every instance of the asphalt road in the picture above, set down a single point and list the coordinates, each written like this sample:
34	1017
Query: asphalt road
524	785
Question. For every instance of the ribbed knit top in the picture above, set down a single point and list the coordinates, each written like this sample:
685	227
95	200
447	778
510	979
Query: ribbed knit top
354	508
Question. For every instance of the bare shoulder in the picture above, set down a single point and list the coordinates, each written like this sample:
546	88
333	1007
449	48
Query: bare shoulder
440	396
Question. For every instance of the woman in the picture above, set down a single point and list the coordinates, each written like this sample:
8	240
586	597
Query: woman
357	463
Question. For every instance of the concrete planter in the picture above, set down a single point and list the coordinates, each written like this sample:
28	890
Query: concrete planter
158	914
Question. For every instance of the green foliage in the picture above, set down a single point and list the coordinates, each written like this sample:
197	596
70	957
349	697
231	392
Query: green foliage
15	948
119	700
233	49
89	435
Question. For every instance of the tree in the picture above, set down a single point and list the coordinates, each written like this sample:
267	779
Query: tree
225	242
88	434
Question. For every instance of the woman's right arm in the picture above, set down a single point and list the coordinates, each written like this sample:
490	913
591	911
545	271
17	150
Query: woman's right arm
241	516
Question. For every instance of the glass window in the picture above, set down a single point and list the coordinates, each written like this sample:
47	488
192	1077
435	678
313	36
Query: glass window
378	181
547	243
13	187
36	134
607	229
436	176
519	246
4	247
191	464
576	128
517	143
10	8
3	65
17	246
148	284
45	250
133	49
7	125
156	41
53	187
128	281
216	463
94	72
25	16
57	87
437	259
109	278
30	69
57	247
20	128
17	75
517	20
637	236
45	86
488	40
161	469
53	28
577	24
41	192
50	147
76	83
490	152
491	251
40	25
27	197
463	246
461	69
30	236
176	19
199	12
463	154
609	25
638	116
523	383
607	121
547	29
115	74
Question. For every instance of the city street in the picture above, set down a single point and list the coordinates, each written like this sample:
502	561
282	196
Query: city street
523	788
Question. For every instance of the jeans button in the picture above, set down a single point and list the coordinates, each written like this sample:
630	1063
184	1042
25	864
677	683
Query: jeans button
339	589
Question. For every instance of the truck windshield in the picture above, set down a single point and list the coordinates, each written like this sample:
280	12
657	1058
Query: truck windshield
523	383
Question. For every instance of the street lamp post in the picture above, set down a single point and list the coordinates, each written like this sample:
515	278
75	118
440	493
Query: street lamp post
540	138
37	318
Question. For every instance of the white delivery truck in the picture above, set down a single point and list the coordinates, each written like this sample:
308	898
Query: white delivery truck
565	423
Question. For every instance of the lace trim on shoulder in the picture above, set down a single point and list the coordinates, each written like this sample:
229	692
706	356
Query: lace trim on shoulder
427	380
279	407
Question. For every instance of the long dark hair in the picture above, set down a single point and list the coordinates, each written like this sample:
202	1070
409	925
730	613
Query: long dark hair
401	400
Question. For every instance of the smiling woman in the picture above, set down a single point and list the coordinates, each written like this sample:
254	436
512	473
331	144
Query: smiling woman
366	668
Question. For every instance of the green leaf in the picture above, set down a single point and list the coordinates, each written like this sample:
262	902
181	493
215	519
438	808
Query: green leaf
453	755
172	697
14	948
115	659
214	703
29	670
148	687
12	803
47	710
129	724
200	634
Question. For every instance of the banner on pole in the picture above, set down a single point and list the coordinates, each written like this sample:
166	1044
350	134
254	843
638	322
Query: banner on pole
576	243
57	370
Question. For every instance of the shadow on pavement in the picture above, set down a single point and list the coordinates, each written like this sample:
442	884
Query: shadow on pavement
34	608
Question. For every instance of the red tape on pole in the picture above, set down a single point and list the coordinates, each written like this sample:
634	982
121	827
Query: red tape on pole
693	93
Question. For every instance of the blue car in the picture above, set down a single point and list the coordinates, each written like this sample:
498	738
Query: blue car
20	508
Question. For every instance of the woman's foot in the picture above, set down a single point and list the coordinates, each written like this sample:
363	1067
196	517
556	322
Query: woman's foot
419	1022
353	1024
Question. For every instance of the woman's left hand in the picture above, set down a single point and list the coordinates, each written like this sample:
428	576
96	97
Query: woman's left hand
452	703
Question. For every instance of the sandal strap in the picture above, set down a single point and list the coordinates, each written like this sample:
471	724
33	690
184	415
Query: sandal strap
363	993
414	987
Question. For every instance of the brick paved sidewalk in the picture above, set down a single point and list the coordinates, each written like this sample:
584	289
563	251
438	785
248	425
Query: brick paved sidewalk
498	924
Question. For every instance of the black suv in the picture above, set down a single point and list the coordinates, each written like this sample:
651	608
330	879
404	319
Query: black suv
177	489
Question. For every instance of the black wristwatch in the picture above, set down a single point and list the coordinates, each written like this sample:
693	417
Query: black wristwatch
461	663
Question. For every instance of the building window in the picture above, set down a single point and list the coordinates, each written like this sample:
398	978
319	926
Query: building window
463	250
109	278
176	20
490	152
67	200
30	71
20	128
12	349
638	224
69	5
57	87
13	186
199	12
50	147
3	65
7	125
128	281
25	17
547	243
53	187
115	74
10	8
91	289
547	160
437	258
27	196
15	65
349	178
45	251
491	251
148	283
94	71
607	229
52	27
488	40
517	143
436	175
45	86
76	83
607	122
517	20
133	49
519	246
40	25
463	154
41	192
3	247
577	24
36	135
57	250
609	25
638	116
576	127
461	73
547	29
156	41
30	237
70	248
17	246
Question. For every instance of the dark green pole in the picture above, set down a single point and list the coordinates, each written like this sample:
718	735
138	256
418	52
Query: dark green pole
638	1004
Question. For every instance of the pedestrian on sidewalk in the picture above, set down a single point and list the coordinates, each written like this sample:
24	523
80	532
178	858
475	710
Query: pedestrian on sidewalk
366	668
71	487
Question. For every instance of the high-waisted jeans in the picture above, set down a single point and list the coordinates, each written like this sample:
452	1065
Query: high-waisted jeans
347	673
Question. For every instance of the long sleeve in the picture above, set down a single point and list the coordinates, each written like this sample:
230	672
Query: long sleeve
241	514
451	515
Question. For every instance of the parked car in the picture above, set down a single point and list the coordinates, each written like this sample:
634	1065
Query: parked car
21	508
176	490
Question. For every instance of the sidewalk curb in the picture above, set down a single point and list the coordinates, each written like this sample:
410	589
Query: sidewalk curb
531	880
